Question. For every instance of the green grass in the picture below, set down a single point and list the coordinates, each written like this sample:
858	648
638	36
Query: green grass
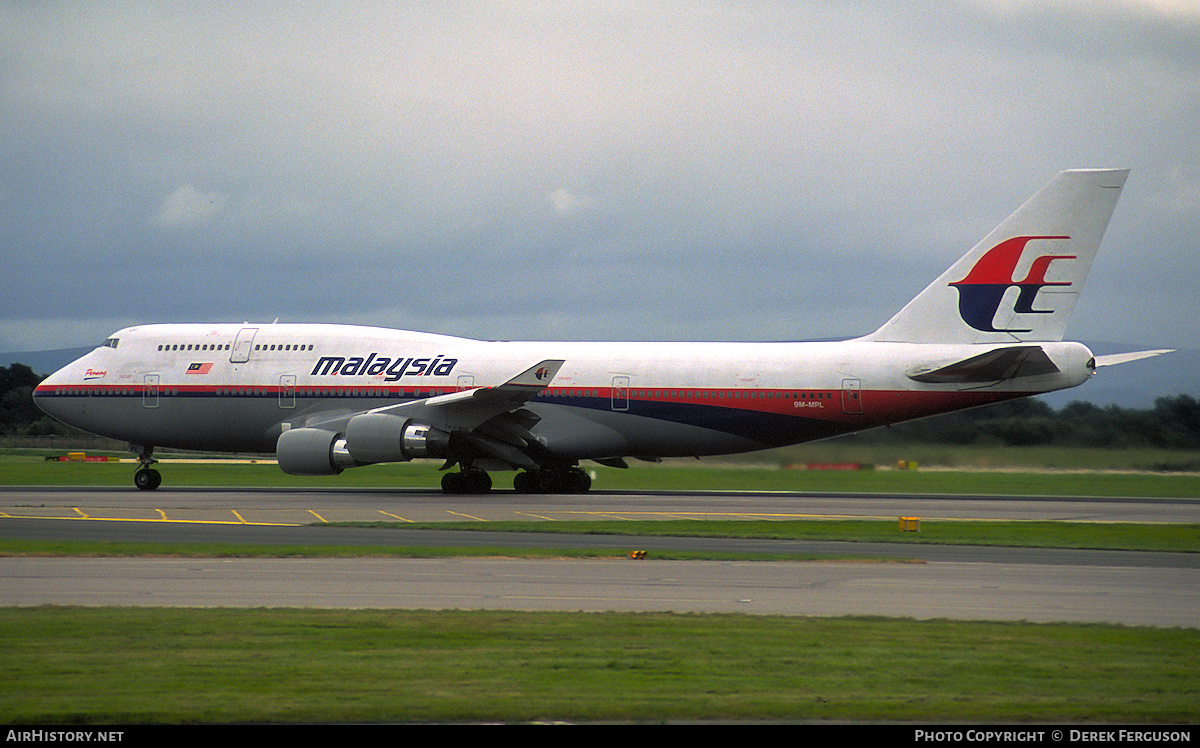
861	450
178	666
129	549
1176	538
114	665
21	470
1110	536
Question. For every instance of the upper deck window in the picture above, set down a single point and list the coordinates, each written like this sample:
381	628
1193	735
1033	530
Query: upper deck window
112	343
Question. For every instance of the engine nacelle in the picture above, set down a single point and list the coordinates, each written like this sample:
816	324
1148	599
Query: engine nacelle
379	437
313	452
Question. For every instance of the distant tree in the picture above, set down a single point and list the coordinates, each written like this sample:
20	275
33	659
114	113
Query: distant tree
1178	419
16	397
18	414
1173	423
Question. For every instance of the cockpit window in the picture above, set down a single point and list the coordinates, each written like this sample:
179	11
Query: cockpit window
112	342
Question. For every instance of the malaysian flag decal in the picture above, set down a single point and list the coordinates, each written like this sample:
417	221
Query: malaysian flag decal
199	368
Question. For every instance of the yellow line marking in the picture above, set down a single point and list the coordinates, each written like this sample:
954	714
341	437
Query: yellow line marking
163	521
536	516
161	513
317	516
395	516
242	521
81	512
468	516
717	515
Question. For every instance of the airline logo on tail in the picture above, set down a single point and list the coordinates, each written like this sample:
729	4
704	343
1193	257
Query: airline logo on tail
982	291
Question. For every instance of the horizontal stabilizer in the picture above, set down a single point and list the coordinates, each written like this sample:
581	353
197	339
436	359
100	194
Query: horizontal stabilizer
993	366
1124	358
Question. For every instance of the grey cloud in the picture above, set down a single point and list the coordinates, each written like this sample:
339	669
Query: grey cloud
708	170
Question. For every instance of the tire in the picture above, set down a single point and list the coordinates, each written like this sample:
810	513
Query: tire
478	481
453	483
526	482
147	479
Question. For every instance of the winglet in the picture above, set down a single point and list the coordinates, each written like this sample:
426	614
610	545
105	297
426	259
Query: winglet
514	392
466	409
537	376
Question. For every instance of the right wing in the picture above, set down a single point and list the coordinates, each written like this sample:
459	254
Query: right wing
483	423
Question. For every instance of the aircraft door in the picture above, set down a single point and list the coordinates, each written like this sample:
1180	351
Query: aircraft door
852	396
150	391
620	393
242	345
287	391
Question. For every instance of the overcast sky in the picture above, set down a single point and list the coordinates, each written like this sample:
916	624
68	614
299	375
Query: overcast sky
680	170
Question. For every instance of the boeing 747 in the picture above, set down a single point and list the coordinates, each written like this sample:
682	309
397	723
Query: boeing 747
326	398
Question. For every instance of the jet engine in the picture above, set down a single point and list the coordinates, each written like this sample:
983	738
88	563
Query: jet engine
369	438
378	437
312	452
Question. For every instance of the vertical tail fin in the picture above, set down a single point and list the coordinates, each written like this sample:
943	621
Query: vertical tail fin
1021	282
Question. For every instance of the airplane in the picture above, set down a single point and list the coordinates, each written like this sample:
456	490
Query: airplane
326	398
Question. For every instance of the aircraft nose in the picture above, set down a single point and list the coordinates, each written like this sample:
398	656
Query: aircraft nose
47	395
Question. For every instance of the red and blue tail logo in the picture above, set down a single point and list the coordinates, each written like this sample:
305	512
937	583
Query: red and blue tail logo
982	291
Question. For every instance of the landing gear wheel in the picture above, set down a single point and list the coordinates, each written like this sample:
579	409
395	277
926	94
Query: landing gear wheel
453	483
526	482
572	480
468	481
147	479
578	481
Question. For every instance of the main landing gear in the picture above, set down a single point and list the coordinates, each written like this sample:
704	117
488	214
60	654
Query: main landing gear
474	481
146	478
569	480
471	480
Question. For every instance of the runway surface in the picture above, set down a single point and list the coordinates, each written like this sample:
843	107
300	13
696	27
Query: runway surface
927	581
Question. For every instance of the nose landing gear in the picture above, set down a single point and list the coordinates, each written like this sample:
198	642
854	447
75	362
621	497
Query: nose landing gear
146	478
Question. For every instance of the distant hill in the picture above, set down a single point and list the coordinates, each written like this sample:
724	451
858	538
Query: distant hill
43	362
1133	385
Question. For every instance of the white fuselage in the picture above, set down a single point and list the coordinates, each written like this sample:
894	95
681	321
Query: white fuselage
238	387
